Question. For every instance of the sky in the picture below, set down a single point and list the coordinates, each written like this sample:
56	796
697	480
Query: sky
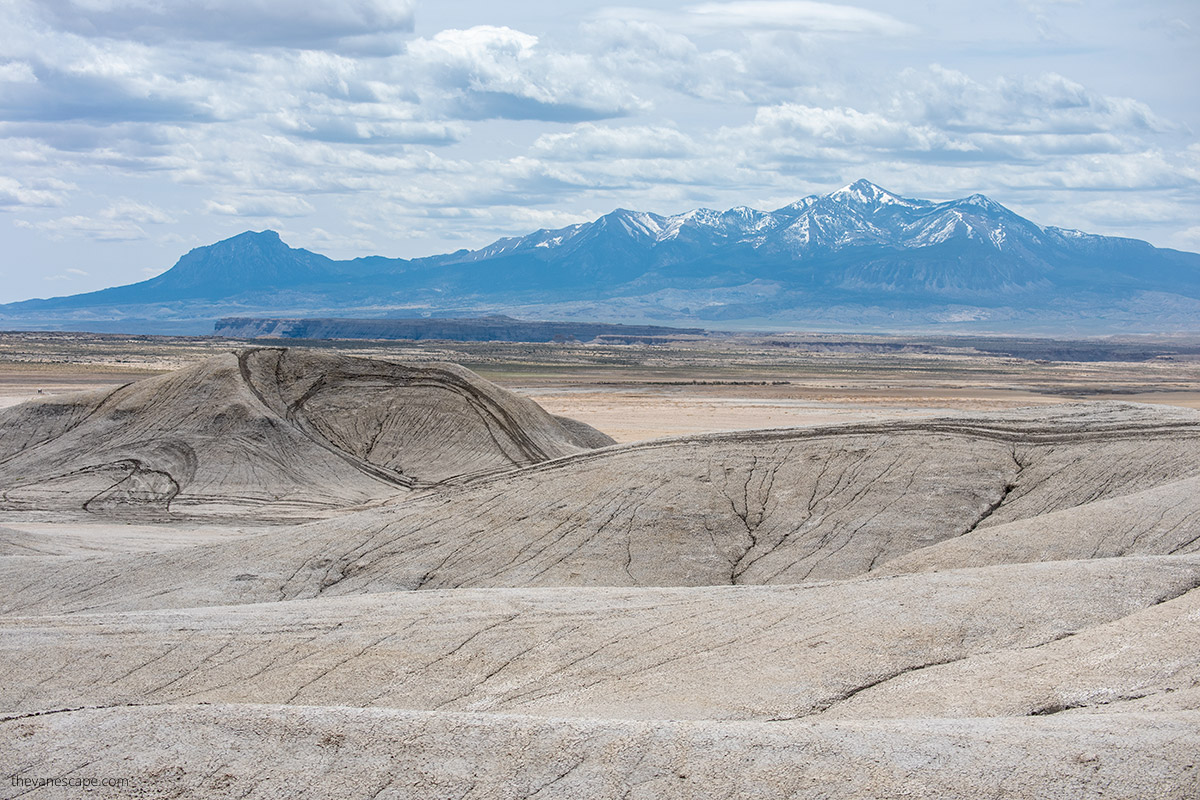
134	130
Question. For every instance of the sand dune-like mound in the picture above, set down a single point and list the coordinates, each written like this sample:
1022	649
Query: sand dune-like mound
270	431
764	507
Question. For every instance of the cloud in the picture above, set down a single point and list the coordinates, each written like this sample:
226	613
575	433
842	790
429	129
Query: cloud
364	127
589	141
943	116
128	146
323	241
261	206
80	226
68	274
792	128
57	95
282	23
337	116
13	193
1034	105
646	52
1040	12
126	210
1108	211
490	72
1186	239
1175	27
17	72
820	18
736	52
809	18
1147	170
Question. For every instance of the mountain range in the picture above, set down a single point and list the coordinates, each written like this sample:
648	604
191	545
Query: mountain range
857	258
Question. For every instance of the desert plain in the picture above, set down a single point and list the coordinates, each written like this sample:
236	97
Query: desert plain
733	567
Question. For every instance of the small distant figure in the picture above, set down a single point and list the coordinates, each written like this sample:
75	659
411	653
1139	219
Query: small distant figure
41	391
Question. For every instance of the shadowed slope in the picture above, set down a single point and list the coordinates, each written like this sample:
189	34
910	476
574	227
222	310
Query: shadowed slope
270	431
1165	519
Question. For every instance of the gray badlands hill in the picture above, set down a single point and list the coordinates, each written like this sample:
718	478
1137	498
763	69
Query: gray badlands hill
859	257
270	432
760	507
991	605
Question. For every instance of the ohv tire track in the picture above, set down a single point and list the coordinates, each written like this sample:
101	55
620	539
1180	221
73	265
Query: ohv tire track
507	434
381	474
251	429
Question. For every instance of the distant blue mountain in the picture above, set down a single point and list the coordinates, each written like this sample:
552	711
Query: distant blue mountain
857	257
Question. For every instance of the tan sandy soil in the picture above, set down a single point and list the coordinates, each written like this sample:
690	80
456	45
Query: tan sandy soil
642	408
635	413
632	415
21	382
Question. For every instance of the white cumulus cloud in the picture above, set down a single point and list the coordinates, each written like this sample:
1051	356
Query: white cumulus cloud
496	72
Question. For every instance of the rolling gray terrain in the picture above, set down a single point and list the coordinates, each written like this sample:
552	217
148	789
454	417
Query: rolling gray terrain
497	603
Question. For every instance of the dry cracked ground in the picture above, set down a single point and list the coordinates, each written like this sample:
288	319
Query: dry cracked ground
286	573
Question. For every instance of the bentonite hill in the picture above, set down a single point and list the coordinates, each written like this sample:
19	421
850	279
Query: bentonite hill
271	431
452	593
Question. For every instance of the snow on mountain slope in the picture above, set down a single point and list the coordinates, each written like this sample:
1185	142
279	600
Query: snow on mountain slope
858	252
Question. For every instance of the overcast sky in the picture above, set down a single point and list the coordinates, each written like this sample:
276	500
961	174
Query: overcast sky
134	130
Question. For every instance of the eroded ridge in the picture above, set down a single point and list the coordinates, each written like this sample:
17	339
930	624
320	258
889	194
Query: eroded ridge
270	431
774	507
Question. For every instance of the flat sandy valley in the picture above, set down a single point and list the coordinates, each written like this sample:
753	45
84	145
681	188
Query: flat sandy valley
745	566
641	391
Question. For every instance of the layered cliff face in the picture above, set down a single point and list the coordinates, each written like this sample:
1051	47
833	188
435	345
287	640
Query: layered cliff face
270	432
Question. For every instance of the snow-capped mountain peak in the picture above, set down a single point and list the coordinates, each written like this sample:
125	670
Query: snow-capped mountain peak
858	250
637	223
982	201
858	217
864	193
